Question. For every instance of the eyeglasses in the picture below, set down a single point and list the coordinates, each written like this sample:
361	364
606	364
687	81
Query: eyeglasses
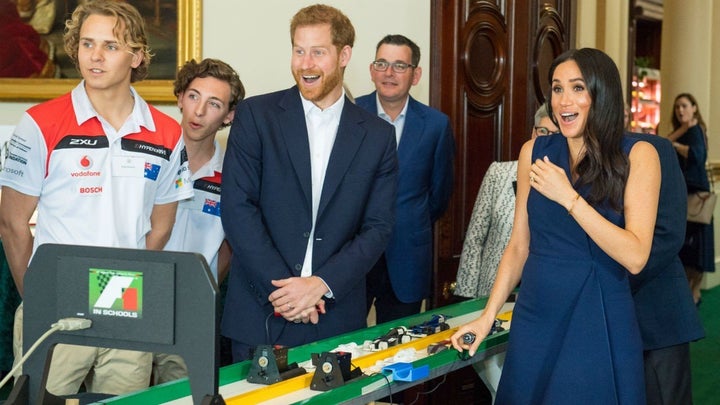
542	131
397	67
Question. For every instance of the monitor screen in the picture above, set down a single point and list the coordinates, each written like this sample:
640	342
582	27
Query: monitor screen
137	299
126	299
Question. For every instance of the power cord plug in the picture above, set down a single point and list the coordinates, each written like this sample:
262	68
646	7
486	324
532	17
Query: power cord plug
69	324
65	324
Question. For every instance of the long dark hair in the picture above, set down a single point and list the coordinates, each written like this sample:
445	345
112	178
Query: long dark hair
604	167
701	123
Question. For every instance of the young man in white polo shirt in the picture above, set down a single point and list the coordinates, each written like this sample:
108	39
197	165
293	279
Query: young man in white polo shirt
103	168
207	94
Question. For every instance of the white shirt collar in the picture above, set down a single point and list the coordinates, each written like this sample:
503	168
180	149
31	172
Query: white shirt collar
384	115
336	108
399	122
84	110
211	166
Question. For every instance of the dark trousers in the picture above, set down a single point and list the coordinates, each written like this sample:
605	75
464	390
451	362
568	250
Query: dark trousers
667	375
379	289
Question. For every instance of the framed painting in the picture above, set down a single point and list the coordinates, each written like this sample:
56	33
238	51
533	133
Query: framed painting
174	33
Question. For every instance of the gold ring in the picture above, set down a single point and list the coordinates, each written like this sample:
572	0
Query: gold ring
532	179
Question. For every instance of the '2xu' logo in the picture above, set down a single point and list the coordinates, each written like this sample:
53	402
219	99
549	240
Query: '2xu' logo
115	293
88	142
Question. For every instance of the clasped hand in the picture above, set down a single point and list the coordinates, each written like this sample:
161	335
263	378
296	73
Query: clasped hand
299	299
550	180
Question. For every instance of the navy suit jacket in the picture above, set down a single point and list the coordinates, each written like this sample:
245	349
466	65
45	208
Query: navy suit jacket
663	301
425	183
267	215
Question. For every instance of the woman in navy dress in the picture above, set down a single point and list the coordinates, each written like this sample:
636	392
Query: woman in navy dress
690	142
585	212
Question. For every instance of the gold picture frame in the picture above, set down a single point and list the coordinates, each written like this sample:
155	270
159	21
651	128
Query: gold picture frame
189	40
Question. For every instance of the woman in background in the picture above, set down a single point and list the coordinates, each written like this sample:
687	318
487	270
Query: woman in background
689	138
585	214
491	222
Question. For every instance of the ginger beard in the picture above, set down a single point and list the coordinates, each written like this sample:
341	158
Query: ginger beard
328	82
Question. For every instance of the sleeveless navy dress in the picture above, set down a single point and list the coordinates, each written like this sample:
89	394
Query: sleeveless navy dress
574	337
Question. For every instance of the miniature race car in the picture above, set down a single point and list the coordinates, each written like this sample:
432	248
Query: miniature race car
434	325
395	336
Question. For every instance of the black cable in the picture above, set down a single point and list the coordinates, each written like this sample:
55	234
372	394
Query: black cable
385	376
389	387
267	327
452	368
417	397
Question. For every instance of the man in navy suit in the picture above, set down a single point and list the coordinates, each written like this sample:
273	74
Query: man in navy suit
401	279
665	310
308	186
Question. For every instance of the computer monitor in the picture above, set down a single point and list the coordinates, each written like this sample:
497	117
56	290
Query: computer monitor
153	301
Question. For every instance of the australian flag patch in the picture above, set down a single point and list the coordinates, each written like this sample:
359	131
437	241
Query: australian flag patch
211	207
151	171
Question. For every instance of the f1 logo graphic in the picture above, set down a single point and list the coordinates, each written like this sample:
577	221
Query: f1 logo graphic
116	289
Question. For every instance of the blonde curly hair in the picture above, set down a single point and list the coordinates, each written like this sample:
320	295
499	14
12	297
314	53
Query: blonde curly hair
129	30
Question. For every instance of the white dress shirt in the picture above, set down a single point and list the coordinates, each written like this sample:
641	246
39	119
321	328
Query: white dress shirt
322	128
398	123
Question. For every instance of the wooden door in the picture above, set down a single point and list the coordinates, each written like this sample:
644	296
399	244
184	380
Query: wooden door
489	68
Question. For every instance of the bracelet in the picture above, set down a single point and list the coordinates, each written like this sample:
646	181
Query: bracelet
572	203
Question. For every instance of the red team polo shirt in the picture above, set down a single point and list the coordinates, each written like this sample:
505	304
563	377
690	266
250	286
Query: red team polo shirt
96	186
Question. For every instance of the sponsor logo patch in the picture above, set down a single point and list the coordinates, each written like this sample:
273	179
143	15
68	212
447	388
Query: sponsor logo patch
211	207
151	171
85	163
